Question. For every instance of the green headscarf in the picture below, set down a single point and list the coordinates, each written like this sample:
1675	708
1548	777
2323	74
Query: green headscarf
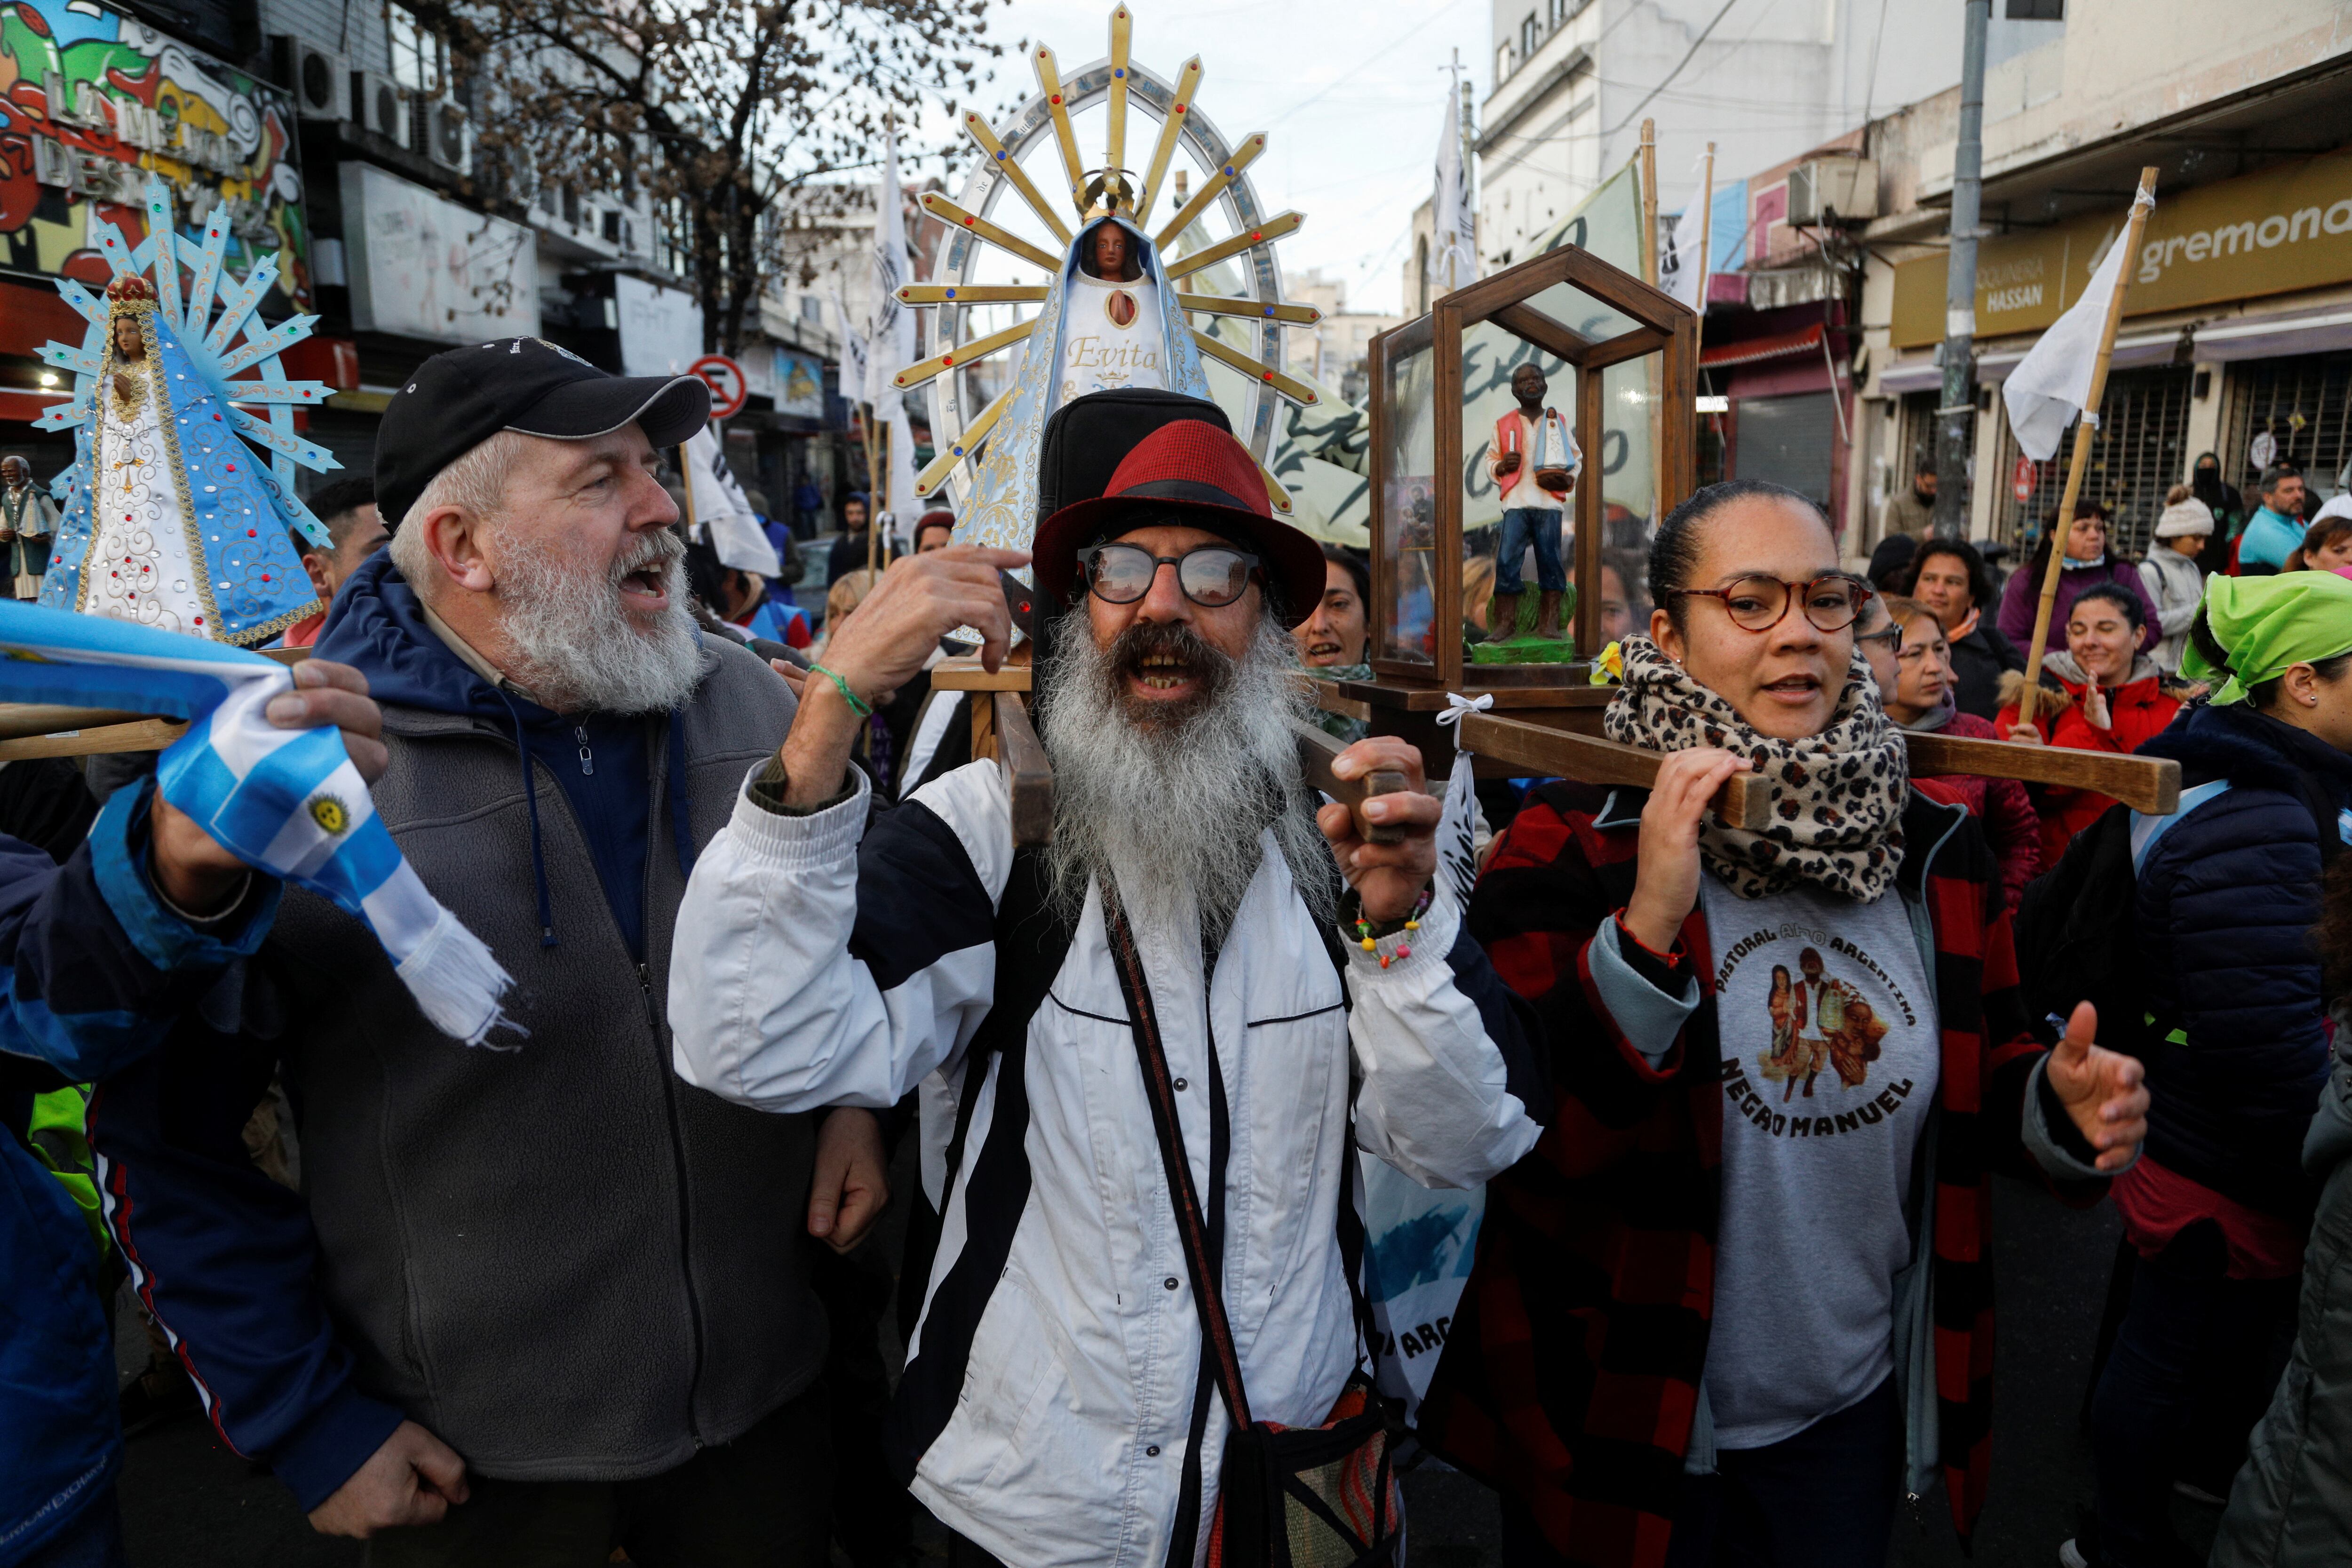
2267	624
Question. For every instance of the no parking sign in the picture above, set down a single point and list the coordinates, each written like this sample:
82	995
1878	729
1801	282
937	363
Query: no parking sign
724	379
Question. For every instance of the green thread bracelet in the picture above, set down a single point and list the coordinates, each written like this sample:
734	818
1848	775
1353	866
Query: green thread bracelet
863	709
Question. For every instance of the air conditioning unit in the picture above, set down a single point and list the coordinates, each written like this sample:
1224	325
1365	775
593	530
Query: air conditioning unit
447	134
381	105
322	78
1832	190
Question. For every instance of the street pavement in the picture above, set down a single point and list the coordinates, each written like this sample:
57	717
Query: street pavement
189	1503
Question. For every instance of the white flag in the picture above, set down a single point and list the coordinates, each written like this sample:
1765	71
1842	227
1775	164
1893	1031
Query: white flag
2051	384
899	485
891	342
1679	264
1453	249
852	356
723	513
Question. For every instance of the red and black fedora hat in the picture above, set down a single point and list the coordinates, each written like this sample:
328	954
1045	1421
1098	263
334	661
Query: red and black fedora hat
1186	472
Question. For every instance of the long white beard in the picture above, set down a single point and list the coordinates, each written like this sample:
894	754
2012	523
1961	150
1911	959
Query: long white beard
580	650
1174	810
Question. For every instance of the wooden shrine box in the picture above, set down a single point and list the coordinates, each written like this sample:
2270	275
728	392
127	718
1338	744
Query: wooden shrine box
1619	353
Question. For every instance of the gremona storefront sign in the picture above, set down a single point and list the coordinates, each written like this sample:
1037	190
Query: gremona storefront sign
2284	229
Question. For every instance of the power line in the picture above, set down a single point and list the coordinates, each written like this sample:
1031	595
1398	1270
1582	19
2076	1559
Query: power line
1670	75
1379	54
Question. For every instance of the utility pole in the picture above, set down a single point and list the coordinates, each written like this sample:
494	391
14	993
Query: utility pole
1955	420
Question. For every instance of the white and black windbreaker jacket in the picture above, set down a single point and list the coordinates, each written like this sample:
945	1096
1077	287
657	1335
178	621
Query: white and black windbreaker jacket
1049	1407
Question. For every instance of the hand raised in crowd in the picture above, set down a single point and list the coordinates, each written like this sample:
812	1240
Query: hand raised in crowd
1666	886
881	646
2094	708
194	872
413	1478
2101	1090
2025	734
1388	877
851	1185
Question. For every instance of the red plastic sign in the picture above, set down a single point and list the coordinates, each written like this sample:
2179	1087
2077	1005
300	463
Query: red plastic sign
724	379
2021	483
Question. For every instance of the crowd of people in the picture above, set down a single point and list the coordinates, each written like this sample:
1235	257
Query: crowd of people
608	1285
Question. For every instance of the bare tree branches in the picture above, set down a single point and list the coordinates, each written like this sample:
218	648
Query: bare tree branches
731	120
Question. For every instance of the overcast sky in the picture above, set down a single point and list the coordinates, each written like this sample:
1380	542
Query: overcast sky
1349	96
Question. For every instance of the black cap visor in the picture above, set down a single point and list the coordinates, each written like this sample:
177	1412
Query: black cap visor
668	409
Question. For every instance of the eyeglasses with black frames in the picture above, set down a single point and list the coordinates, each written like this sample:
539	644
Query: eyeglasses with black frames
1212	576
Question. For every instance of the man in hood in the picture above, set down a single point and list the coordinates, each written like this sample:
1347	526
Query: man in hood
539	1300
1055	1408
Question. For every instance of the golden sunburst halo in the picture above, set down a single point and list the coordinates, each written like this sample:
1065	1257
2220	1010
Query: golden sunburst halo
330	814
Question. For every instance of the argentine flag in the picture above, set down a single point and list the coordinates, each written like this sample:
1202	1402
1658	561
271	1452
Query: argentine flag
287	800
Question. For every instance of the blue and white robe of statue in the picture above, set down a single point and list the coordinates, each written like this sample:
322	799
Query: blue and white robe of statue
171	519
1087	339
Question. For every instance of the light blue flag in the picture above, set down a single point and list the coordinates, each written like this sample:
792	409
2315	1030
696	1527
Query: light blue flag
287	802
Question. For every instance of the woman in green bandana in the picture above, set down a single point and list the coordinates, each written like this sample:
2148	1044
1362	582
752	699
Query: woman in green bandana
2216	1212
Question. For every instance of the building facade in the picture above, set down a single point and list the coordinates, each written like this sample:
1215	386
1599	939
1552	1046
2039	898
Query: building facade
2237	330
342	139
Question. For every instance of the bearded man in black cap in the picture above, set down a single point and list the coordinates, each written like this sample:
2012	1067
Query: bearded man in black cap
541	1301
1055	1406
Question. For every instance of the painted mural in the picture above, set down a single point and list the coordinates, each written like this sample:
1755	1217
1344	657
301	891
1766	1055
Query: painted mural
92	102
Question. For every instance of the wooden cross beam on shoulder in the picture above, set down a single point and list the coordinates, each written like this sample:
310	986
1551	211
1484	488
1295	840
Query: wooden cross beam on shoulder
2148	784
1001	729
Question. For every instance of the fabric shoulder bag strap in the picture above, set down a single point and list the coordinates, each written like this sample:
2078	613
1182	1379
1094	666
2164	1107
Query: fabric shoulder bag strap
1306	1496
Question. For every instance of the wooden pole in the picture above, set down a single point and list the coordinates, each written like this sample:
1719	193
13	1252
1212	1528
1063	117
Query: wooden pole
685	483
1705	233
873	484
2081	460
1650	275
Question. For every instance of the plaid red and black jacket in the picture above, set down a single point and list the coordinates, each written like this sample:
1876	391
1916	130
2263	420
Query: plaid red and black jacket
1571	1377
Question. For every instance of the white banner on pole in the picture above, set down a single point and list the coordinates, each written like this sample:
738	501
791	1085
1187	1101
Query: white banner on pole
1454	251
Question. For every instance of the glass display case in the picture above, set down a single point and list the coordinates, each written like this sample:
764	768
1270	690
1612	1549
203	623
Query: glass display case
1526	432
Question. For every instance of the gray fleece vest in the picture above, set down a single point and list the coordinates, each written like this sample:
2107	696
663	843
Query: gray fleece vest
561	1259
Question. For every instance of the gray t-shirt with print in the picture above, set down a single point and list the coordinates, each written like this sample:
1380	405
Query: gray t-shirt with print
1829	1037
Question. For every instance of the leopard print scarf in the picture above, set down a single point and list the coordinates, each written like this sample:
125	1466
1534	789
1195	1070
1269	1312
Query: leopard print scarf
1837	797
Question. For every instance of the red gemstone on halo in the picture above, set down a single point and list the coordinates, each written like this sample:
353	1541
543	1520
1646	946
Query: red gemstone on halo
1179	109
265	576
1058	97
946	359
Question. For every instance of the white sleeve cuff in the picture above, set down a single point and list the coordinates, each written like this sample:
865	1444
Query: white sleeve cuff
1406	952
789	843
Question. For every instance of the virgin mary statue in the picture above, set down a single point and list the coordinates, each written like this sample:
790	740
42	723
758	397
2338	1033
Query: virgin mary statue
1110	320
171	519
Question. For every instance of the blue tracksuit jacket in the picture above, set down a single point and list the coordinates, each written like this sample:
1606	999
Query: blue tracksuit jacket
95	972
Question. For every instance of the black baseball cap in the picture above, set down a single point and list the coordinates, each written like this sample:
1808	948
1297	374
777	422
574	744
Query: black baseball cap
456	401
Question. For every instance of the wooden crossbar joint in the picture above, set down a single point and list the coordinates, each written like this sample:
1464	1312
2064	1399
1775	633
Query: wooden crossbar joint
1742	802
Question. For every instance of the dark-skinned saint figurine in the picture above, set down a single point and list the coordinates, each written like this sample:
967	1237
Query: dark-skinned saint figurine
1535	461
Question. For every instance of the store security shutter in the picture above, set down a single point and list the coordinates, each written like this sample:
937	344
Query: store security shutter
2305	404
2138	453
1786	440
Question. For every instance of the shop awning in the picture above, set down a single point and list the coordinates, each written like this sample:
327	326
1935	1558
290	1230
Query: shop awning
1754	351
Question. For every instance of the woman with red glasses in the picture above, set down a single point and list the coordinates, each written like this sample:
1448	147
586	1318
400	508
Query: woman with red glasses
1738	1300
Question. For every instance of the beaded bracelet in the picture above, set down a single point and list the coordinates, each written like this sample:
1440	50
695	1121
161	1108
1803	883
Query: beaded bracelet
862	708
1412	922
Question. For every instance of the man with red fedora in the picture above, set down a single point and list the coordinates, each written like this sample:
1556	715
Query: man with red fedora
1302	985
